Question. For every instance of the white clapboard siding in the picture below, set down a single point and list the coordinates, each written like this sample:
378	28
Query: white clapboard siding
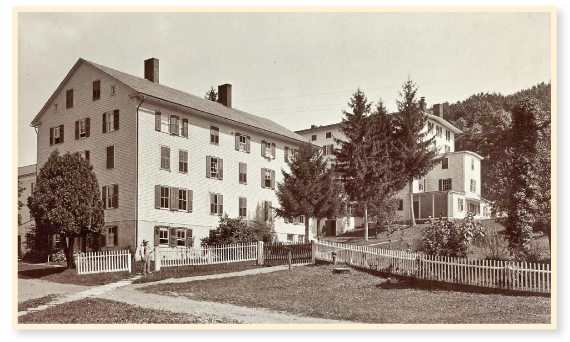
508	275
103	262
208	255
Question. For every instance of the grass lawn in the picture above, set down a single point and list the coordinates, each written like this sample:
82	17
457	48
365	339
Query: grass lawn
65	276
103	311
191	271
34	303
358	296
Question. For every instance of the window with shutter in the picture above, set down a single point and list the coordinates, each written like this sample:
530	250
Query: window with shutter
286	154
213	204
51	138
56	135
214	135
445	163
110	157
241	142
181	237
69	99
96	90
157	196
61	131
109	196
273	150
329	135
189	242
214	167
313	137
272	179
243	173
220	204
445	184
164	197
220	168
165	157
157	120
110	121
185	128
157	235
182	161
174	199
263	146
116	120
267	178
104	196
115	199
243	207
247	144
174	128
163	236
164	123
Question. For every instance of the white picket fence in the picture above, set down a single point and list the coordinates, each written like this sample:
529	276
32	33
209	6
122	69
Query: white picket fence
102	262
209	255
521	276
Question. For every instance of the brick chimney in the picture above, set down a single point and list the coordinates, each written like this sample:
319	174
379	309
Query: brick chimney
225	95
423	103
438	110
151	70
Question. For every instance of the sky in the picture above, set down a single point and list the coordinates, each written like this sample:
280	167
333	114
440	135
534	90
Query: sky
297	69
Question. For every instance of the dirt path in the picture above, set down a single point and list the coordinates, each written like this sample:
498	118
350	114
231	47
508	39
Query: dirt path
36	288
246	315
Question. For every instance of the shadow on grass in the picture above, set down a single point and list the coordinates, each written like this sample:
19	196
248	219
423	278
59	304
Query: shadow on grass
40	272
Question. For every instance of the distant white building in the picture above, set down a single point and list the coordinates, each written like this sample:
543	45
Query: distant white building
449	190
27	178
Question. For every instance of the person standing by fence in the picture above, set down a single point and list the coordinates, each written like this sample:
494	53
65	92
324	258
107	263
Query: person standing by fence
144	251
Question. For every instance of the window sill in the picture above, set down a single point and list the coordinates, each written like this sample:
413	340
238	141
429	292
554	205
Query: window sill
216	144
97	99
165	169
182	172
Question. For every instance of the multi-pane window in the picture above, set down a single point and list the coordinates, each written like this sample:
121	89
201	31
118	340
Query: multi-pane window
447	135
181	237
56	135
460	204
313	137
445	184
438	131
267	149
243	207
163	236
112	236
96	90
110	196
329	135
430	127
164	197
165	157
216	204
164	123
110	157
69	99
174	126
422	184
472	163
110	122
82	128
182	199
445	163
242	143
243	173
267	178
447	148
183	161
214	135
328	149
474	208
214	167
473	186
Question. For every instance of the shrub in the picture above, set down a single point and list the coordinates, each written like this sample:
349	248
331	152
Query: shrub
58	256
230	231
452	239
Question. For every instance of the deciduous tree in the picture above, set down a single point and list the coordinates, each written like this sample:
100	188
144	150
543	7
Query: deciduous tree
67	200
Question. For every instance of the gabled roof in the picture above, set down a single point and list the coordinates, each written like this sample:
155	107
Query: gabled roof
159	91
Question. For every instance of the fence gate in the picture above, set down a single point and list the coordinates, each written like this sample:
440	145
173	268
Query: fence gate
278	253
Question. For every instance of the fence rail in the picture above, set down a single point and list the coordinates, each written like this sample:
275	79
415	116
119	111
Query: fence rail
278	253
209	255
103	262
520	276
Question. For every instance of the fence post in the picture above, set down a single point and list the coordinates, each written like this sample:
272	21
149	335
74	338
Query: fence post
313	252
129	260
156	259
260	253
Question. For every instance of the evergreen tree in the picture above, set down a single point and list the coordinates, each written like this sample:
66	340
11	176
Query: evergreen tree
309	189
366	160
211	94
67	201
418	155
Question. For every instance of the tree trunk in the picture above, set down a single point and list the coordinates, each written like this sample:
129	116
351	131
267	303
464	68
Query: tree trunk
68	250
365	222
376	229
307	230
318	227
411	189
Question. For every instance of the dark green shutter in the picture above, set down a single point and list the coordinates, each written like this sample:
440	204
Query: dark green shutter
76	130
156	235
87	127
188	237
237	142
104	122
272	179
115	195
190	198
61	134
157	196
157	121
247	144
172	237
220	168
51	136
220	204
208	166
116	119
104	197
